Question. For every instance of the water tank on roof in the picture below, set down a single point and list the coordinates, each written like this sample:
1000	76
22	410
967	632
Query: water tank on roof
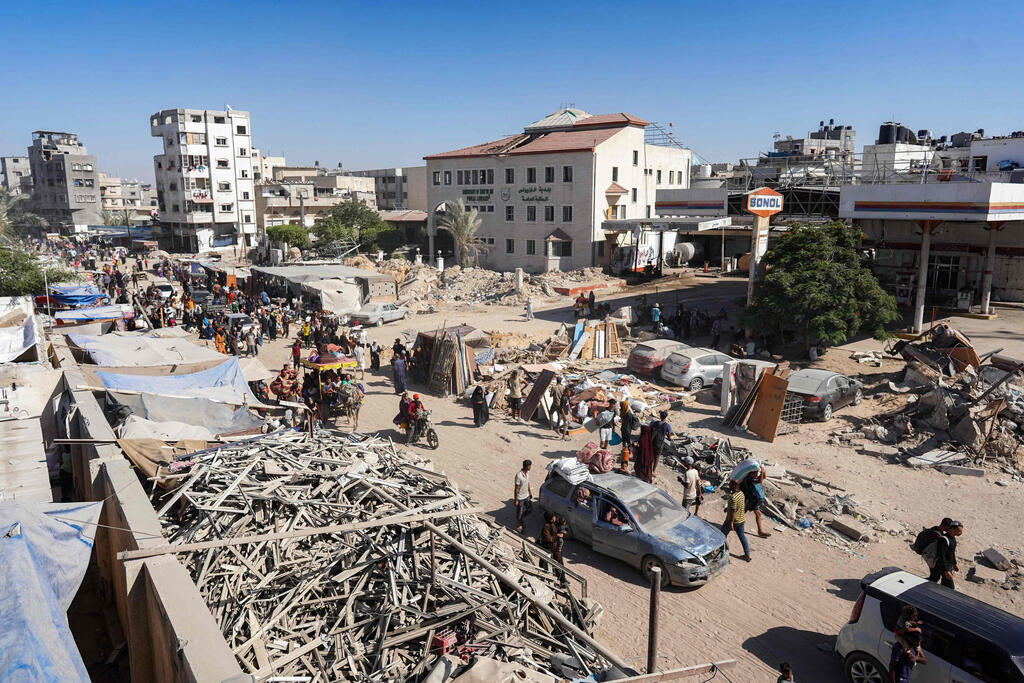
704	171
960	139
887	133
981	132
924	134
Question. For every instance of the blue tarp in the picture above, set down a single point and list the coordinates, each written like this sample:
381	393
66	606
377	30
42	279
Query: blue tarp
223	382
44	553
85	314
76	295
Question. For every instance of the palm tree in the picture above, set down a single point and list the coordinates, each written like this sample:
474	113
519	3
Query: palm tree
11	216
462	226
109	217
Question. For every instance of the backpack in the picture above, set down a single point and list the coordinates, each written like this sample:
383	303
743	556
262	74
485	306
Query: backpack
658	435
926	537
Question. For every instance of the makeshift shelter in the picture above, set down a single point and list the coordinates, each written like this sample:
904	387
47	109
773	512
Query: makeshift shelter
223	383
373	286
452	357
112	312
44	554
333	295
142	350
21	338
76	295
155	416
27	421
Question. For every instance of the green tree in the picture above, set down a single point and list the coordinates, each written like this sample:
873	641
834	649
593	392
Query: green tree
462	226
354	221
816	286
21	273
109	217
11	215
292	235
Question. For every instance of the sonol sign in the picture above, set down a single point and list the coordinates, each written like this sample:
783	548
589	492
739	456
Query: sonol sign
764	202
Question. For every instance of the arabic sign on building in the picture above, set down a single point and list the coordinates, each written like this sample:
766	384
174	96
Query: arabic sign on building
534	193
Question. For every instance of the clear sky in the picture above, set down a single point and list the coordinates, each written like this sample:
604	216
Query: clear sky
377	84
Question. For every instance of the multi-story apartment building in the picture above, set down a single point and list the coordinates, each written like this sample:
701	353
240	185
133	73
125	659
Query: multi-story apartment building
204	179
66	188
119	194
17	175
307	192
263	166
399	188
543	194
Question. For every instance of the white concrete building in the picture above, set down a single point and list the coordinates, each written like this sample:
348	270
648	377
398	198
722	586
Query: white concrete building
120	194
399	188
301	195
542	194
17	175
204	179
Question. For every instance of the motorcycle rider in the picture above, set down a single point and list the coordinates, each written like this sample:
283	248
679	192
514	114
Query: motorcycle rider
416	414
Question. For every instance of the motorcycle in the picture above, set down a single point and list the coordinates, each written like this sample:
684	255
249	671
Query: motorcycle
422	426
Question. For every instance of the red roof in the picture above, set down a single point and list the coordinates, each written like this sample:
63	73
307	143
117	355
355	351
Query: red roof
615	188
544	143
621	119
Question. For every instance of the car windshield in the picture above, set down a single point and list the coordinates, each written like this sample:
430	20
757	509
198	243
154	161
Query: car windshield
656	509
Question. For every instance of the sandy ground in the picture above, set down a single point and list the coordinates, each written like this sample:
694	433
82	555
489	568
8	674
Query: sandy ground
789	603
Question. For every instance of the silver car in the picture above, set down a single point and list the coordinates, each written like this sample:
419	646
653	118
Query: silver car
694	368
378	314
636	522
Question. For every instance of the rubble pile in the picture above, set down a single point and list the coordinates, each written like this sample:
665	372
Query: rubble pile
329	556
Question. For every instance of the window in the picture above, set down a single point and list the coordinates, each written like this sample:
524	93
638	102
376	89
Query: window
510	246
174	208
510	176
490	208
648	211
531	175
510	213
220	142
242	152
549	174
658	178
248	218
239	130
173	187
222	163
615	174
226	207
474	178
490	176
979	163
196	119
218	119
549	214
622	211
561	248
487	240
531	213
531	250
633	195
245	195
245	174
458	178
600	249
567	174
636	158
567	214
437	177
671	177
447	177
223	186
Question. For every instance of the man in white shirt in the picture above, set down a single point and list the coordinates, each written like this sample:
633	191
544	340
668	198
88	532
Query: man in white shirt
522	494
360	354
691	486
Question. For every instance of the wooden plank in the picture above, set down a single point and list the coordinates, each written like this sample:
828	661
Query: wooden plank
295	533
578	346
539	388
767	409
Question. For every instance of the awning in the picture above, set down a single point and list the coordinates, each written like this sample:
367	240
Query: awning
615	188
558	235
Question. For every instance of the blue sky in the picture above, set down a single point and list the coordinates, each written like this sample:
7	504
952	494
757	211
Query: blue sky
376	84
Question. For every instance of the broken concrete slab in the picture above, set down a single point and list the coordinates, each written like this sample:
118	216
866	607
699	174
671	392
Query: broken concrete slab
851	528
963	471
966	431
982	574
935	457
878	450
997	559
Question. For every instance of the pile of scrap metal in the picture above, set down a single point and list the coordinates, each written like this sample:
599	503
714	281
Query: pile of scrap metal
328	557
956	408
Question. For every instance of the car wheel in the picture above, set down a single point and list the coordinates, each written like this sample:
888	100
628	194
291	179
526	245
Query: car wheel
858	397
826	412
380	321
696	384
863	668
647	567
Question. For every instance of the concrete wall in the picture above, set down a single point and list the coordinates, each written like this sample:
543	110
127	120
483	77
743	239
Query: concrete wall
170	633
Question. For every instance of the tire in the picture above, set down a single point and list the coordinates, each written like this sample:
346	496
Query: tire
408	436
648	563
696	384
432	440
379	322
860	667
826	412
858	397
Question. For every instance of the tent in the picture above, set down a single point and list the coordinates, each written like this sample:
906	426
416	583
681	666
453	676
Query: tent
142	350
336	296
223	383
112	312
17	340
152	416
76	295
44	554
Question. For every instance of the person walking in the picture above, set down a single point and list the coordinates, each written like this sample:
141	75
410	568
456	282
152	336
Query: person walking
606	420
692	495
374	356
753	491
941	553
735	517
557	391
564	412
399	366
479	402
716	333
591	304
515	394
522	494
529	308
296	354
661	430
360	354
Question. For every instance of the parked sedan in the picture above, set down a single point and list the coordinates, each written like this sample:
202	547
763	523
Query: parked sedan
200	296
694	368
235	321
824	391
636	522
378	314
648	357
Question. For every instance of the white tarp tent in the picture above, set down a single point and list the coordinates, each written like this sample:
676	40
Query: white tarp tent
141	351
337	296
